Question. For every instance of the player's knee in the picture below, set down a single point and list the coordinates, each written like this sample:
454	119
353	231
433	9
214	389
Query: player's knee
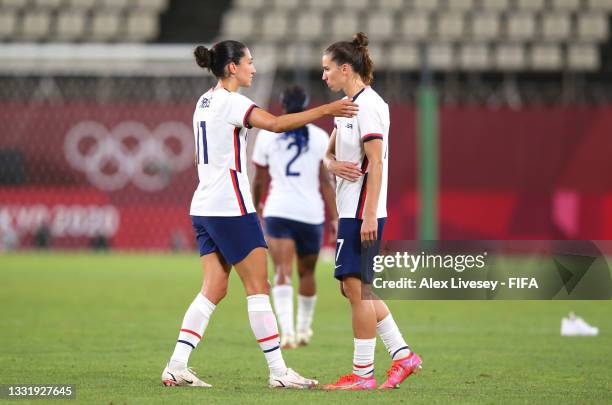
215	295
342	291
283	276
351	291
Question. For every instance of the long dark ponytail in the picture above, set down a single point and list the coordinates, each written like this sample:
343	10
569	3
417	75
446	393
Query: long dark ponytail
294	100
356	54
219	56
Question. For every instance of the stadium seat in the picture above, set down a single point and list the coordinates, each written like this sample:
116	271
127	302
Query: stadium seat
600	5
556	27
140	26
35	25
69	25
530	5
565	5
583	57
592	26
520	26
546	57
450	26
48	4
344	25
238	24
105	26
248	4
390	5
274	26
355	5
81	4
426	5
379	25
284	4
403	57
460	5
320	5
509	57
303	54
474	57
485	26
309	26
14	4
495	5
415	25
114	5
8	24
441	56
378	55
153	5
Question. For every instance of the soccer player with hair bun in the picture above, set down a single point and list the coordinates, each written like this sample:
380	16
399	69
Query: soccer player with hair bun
294	213
358	155
223	215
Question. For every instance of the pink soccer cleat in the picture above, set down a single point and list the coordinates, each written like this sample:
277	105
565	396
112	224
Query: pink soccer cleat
352	382
401	369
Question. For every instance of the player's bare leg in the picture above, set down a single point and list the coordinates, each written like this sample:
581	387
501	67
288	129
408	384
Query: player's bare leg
214	287
306	298
404	361
364	331
254	275
282	251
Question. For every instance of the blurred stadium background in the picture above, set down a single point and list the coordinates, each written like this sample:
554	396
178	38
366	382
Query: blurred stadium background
501	112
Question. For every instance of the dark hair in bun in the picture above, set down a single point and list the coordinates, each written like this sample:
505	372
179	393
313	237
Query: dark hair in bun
356	54
220	55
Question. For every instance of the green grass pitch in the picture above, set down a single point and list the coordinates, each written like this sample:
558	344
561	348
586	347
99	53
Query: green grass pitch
107	323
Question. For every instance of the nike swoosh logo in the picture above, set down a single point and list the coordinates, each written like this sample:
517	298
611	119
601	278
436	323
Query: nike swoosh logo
338	266
172	375
280	382
187	381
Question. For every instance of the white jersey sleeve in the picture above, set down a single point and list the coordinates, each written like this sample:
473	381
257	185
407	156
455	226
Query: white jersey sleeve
260	151
370	123
239	109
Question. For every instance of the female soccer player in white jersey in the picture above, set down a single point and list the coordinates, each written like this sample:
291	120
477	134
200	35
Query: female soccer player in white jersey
358	155
223	215
294	213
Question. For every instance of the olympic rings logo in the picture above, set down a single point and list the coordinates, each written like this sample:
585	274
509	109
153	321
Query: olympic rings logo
129	152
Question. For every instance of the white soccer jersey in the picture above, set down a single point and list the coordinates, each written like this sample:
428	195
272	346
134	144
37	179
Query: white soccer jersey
220	131
371	122
294	171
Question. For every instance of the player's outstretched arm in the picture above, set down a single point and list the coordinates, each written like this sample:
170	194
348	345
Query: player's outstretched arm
346	170
260	118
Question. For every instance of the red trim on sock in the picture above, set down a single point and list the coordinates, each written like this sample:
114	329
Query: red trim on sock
366	366
192	332
268	338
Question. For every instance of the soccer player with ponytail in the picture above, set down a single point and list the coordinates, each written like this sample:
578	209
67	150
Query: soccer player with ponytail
294	213
223	215
358	155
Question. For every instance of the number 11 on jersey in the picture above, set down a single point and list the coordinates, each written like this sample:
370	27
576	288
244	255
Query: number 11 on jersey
202	131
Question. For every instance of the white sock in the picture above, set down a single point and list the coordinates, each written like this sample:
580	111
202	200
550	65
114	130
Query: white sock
194	323
305	312
265	329
392	338
363	357
283	303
